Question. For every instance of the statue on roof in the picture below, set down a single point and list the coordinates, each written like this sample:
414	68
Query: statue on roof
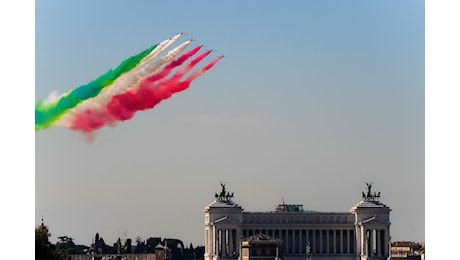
369	187
370	196
224	195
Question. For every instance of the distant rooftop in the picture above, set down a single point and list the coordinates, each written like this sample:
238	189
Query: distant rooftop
289	207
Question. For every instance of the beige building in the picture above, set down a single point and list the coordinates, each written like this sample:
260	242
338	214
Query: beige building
362	233
407	250
260	247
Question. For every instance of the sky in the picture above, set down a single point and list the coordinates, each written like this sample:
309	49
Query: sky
312	99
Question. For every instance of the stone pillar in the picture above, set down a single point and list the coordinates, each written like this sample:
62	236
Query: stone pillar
348	240
238	242
371	242
383	242
344	241
228	241
335	241
352	242
303	242
219	239
313	240
386	243
222	241
231	242
321	241
359	240
210	241
288	244
340	246
300	242
284	235
378	241
368	242
236	239
296	241
217	244
214	240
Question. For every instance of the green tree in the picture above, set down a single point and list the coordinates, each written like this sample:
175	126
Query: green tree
66	244
127	246
140	246
44	249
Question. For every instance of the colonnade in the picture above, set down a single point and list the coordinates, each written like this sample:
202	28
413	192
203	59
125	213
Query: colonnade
226	242
322	241
375	242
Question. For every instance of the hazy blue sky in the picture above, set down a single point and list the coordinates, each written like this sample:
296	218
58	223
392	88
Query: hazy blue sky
312	99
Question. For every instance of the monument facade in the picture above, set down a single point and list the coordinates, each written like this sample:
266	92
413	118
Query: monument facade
362	233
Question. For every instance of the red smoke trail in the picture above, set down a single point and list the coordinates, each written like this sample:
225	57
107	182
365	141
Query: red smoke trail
182	72
124	106
183	85
88	121
151	91
200	72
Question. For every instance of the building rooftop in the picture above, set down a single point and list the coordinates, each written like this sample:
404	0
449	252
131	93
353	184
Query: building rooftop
223	204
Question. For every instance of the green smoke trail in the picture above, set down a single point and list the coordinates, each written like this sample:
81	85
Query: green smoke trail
47	113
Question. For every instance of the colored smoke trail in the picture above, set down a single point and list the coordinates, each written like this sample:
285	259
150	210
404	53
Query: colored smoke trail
91	119
201	71
138	83
150	92
126	81
123	107
46	113
144	71
147	69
